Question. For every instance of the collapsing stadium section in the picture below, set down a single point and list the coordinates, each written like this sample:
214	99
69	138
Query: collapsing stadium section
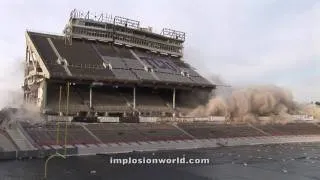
111	68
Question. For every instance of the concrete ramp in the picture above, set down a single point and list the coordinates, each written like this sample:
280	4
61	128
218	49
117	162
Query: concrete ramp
6	144
19	139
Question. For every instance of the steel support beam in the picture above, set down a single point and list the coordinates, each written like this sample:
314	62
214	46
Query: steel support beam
174	98
90	98
134	98
45	93
68	96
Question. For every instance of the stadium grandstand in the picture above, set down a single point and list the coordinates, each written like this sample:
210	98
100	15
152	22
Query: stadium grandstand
109	69
105	66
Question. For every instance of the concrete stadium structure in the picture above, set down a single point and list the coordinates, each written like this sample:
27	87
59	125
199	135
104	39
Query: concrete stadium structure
130	89
111	69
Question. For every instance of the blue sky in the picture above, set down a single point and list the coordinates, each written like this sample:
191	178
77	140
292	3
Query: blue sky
243	41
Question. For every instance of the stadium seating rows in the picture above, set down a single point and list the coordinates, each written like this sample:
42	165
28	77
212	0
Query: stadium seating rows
135	132
106	50
46	134
72	53
125	75
124	53
290	129
93	60
49	57
105	100
133	64
85	61
76	102
44	48
205	130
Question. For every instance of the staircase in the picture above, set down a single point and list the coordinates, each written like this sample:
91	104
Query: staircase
19	139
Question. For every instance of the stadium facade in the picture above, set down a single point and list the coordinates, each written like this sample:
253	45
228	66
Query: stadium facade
105	66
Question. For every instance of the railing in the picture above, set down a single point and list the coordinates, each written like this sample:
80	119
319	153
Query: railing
123	30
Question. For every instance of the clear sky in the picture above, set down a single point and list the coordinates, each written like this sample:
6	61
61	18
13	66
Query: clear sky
243	41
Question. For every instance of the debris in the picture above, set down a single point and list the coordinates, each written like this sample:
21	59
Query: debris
284	170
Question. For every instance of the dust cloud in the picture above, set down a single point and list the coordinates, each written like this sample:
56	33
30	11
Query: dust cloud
12	107
10	84
247	104
20	112
312	109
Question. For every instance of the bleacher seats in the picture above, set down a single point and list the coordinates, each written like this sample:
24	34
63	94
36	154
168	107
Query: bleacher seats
186	105
87	72
290	129
80	52
106	50
162	64
57	70
46	52
124	53
121	132
87	60
92	61
46	134
169	69
48	55
116	62
170	77
76	100
125	75
152	101
180	63
109	100
133	64
199	80
160	131
114	99
207	130
144	75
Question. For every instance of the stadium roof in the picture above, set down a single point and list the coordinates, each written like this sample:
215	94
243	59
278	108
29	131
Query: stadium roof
105	62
